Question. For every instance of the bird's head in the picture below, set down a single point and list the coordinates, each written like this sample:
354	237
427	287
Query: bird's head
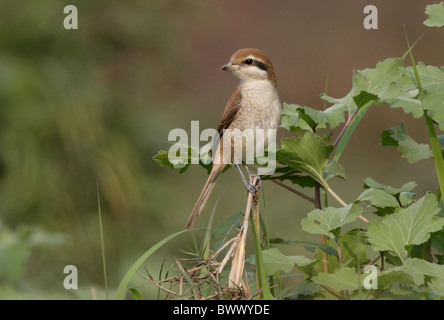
251	65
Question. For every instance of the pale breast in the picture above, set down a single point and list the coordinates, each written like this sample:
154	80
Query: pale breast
261	106
260	109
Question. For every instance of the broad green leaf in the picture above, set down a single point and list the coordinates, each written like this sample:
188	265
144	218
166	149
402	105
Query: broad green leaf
418	268
378	81
438	242
406	198
328	220
298	118
370	183
353	248
275	260
437	286
407	147
183	163
180	163
330	117
302	288
308	154
364	98
435	15
291	119
392	276
408	226
431	99
334	169
343	279
378	198
375	82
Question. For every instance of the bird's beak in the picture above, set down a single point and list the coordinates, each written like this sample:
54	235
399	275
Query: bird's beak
230	67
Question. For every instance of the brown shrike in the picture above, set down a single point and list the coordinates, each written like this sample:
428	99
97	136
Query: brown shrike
253	105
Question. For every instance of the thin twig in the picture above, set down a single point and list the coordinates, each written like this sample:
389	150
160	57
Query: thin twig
227	256
300	194
369	264
332	292
237	264
318	205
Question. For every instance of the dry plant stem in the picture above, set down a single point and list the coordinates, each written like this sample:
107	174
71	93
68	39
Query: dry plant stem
318	205
378	258
228	255
332	292
237	264
300	194
257	227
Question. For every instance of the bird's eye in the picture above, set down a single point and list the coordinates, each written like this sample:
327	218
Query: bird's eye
249	61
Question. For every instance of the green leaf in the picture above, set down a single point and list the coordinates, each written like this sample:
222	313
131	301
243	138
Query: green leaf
408	226
307	154
378	198
302	288
353	246
418	268
407	147
180	163
294	119
378	81
375	82
431	94
437	286
435	15
434	103
406	198
370	183
330	117
364	98
334	169
343	279
275	260
392	276
328	220
438	243
298	118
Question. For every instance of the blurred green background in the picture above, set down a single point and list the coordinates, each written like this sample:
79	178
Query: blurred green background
87	107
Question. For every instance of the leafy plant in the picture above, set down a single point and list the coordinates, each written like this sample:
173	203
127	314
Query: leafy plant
403	235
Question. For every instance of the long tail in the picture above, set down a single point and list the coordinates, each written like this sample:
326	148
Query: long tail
205	194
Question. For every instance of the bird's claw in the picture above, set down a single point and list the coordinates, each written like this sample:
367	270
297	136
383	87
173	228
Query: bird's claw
252	189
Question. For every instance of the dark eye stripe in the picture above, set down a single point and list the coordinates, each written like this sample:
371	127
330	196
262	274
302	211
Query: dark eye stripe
260	65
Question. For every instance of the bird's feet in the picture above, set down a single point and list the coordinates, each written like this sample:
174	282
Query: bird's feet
253	188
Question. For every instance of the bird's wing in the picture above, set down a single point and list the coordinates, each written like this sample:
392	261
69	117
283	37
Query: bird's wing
231	110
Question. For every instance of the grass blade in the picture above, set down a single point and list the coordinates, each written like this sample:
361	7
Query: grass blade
121	289
102	242
260	269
